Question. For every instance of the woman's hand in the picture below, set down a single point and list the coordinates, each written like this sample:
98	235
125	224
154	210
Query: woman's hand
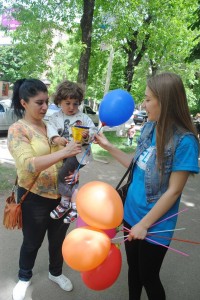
102	141
59	140
45	161
72	178
138	232
71	149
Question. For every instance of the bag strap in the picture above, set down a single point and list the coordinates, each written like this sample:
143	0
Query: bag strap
128	171
25	194
14	188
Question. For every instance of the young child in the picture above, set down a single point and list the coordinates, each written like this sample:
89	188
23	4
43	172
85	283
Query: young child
131	132
68	96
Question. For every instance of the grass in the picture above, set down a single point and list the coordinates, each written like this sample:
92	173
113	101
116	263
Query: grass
7	175
119	142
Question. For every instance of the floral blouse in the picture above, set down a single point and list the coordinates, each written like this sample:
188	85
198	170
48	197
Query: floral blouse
25	143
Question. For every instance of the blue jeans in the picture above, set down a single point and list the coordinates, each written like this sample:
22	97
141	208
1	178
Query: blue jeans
36	222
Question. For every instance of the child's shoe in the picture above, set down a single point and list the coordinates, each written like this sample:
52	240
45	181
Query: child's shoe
60	211
71	216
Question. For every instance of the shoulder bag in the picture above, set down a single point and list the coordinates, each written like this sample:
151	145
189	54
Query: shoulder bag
122	190
12	217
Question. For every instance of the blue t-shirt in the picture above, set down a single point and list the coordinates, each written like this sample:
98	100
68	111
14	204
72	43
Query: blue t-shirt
136	205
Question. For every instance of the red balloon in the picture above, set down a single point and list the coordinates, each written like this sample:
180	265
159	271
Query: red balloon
106	273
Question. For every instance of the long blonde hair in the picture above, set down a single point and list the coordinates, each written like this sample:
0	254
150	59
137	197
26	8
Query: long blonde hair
168	88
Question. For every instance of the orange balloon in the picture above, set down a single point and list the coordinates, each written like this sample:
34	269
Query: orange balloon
85	248
99	205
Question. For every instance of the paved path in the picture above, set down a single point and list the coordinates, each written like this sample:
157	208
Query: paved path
180	275
5	156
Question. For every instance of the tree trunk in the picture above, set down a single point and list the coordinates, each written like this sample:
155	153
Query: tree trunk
154	67
86	28
133	58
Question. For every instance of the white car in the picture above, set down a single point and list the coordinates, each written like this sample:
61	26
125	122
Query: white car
86	109
7	116
51	109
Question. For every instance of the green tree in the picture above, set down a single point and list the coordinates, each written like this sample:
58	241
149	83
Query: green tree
147	36
10	63
86	30
195	51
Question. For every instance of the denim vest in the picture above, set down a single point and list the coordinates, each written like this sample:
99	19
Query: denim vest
155	187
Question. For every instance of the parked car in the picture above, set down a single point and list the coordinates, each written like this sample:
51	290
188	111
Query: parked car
7	117
92	114
140	117
52	108
86	109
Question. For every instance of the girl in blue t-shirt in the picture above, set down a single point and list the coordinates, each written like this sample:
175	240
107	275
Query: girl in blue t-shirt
166	154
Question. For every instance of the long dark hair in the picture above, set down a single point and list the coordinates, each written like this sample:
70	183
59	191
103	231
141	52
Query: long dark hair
168	88
25	89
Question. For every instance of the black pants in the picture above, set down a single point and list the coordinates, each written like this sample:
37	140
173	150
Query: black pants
36	222
144	262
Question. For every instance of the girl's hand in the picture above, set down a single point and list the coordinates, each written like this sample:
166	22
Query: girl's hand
72	149
101	140
138	232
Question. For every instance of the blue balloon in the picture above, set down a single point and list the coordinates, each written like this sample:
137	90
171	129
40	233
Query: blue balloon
116	108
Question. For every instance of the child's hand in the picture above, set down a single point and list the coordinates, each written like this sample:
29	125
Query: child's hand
59	140
85	135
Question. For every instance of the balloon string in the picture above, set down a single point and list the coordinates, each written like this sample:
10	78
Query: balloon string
126	228
119	237
167	230
84	155
162	220
155	242
125	240
148	233
169	217
168	247
163	237
175	239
